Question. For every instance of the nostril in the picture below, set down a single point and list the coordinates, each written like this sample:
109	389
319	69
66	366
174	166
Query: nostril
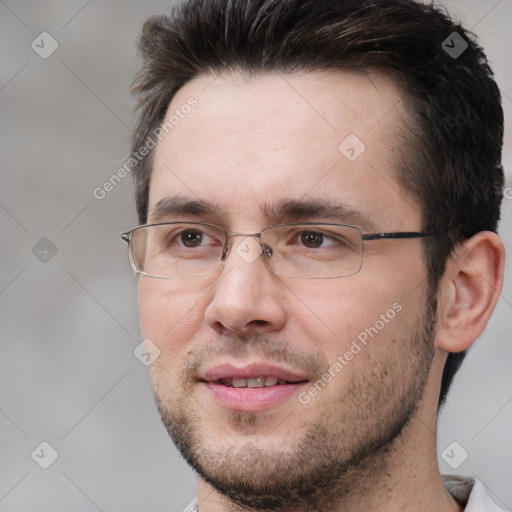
259	322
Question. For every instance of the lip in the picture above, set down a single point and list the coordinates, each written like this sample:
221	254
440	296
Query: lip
251	399
226	371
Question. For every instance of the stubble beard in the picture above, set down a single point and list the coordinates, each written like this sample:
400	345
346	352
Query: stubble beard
351	440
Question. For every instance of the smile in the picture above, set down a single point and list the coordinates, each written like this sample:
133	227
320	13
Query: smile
252	388
253	382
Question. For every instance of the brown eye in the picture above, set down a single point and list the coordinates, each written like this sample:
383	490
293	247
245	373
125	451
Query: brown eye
312	239
191	238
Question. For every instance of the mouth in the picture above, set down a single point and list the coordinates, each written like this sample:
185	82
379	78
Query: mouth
254	382
252	388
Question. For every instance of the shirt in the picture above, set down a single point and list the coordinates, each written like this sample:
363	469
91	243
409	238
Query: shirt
465	490
471	493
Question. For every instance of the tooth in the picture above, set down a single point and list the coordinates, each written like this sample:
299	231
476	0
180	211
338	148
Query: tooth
271	381
281	381
256	382
239	383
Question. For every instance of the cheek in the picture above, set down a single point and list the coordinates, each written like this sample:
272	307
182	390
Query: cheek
371	345
333	317
338	312
169	314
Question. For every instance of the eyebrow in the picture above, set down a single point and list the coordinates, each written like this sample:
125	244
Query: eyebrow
180	205
275	212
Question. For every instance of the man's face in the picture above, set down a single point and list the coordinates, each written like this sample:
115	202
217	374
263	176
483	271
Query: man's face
247	147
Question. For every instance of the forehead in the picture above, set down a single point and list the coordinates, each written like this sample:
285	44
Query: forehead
251	141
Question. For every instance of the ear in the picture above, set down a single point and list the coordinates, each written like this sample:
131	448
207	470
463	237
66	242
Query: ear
469	290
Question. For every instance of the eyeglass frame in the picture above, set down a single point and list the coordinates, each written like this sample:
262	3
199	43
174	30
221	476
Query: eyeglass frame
396	235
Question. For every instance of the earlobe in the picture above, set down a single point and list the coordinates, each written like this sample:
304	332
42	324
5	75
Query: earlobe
469	290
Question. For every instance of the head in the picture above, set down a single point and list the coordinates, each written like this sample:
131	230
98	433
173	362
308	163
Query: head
274	87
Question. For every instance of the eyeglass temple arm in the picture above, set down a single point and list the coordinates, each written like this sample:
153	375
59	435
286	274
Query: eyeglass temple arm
405	234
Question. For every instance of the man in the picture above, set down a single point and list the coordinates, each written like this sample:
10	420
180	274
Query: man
318	186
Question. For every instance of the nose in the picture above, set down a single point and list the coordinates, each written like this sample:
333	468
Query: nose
247	297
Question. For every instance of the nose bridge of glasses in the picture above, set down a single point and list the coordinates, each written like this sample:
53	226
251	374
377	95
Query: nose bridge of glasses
226	250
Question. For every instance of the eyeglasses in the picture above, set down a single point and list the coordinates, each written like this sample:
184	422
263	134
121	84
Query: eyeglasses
306	250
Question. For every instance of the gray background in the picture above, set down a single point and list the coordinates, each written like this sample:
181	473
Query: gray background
69	325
